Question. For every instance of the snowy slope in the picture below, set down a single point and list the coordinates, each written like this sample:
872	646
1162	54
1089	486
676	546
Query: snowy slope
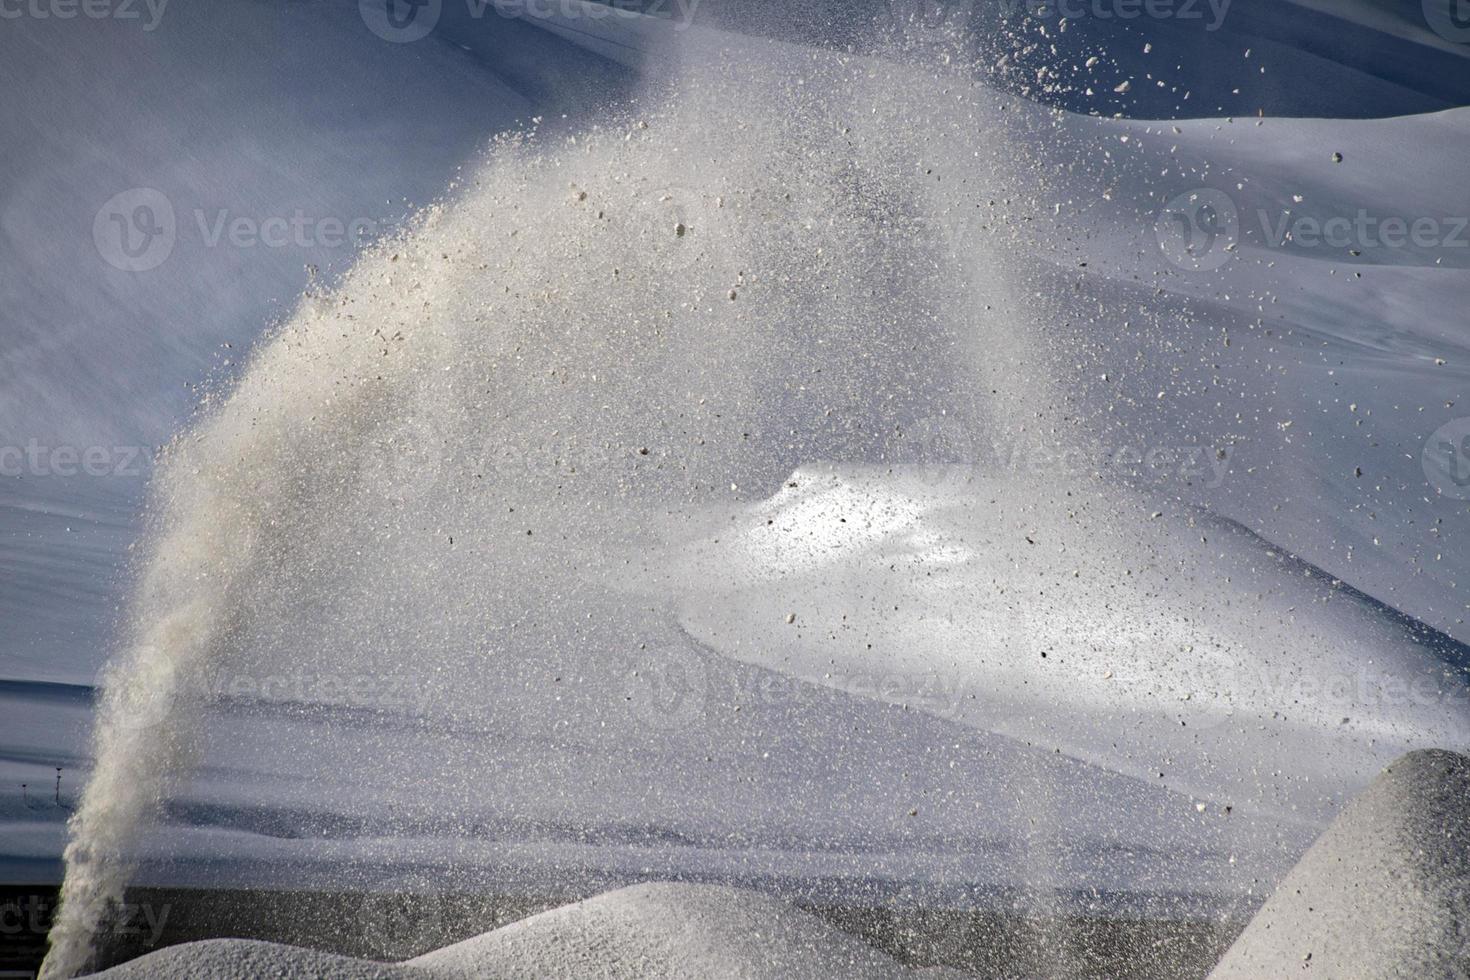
1324	366
1170	647
668	931
1382	893
648	932
690	730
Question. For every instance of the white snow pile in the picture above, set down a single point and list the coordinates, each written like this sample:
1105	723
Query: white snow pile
646	932
1383	892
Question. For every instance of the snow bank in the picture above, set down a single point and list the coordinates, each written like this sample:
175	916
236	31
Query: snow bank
244	959
646	932
1382	893
666	930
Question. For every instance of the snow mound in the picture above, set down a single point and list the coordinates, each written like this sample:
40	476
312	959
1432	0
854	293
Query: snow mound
654	931
644	932
1383	892
247	959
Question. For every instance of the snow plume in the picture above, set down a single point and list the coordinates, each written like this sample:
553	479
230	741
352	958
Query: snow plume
778	262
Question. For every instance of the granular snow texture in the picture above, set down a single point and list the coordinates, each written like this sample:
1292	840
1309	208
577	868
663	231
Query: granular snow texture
645	932
1382	894
241	959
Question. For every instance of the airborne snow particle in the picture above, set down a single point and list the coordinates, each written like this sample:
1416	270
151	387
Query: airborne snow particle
1122	87
790	618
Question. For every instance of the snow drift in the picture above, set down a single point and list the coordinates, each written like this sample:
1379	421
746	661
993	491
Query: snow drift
1383	893
647	932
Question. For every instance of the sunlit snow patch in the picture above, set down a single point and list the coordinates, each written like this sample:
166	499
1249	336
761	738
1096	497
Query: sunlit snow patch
1172	647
